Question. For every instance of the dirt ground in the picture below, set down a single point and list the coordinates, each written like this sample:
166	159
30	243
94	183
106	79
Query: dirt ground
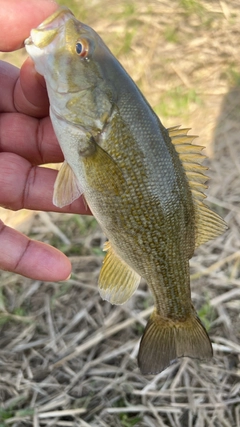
67	358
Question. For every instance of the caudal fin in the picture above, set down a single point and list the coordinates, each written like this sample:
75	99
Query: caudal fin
164	340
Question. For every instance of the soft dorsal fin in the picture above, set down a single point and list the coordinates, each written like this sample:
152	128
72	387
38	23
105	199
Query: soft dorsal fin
208	224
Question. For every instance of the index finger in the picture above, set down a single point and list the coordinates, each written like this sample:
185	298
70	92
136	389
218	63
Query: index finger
18	17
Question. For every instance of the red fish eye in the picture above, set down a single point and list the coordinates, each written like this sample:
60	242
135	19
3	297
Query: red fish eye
82	48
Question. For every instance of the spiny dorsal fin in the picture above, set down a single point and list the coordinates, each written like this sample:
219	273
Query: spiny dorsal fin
176	131
208	224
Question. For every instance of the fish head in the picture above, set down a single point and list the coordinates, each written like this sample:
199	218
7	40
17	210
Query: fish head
73	60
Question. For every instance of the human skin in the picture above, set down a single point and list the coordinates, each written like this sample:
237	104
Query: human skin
27	140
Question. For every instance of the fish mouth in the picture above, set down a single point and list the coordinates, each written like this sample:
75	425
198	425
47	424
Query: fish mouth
46	32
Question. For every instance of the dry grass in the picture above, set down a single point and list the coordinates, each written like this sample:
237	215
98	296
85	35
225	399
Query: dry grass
66	357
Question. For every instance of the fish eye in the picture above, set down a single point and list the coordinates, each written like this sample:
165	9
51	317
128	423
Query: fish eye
82	48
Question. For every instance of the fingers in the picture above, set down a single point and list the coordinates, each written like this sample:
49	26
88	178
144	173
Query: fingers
23	90
8	78
25	141
18	17
30	138
30	187
36	260
30	93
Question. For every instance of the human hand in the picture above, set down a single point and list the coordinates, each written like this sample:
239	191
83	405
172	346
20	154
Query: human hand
27	140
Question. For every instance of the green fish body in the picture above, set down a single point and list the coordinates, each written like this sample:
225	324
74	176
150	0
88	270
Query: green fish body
143	183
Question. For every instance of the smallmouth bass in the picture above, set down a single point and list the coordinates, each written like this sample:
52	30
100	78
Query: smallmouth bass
143	183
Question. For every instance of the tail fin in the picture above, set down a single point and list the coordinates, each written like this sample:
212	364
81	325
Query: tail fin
164	340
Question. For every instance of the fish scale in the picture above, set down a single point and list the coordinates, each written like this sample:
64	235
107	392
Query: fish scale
143	183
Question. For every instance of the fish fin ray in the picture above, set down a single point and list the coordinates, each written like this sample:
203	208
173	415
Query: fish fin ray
177	130
66	187
103	165
208	224
165	340
117	281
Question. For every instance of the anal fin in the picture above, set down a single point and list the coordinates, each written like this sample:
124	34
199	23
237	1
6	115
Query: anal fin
117	281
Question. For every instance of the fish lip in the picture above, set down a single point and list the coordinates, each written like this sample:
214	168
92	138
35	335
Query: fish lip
28	41
59	17
53	22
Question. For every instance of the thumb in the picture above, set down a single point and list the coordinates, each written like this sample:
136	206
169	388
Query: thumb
30	94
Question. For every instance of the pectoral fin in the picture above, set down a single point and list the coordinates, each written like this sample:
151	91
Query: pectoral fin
66	187
102	171
117	281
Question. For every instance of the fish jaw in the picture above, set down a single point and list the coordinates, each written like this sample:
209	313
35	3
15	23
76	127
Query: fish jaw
43	40
53	48
44	34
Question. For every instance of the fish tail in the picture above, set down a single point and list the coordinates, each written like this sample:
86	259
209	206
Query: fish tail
164	340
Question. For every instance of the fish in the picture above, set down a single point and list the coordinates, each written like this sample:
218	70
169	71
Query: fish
144	183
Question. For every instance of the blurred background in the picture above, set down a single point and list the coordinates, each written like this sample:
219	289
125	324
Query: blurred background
66	357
